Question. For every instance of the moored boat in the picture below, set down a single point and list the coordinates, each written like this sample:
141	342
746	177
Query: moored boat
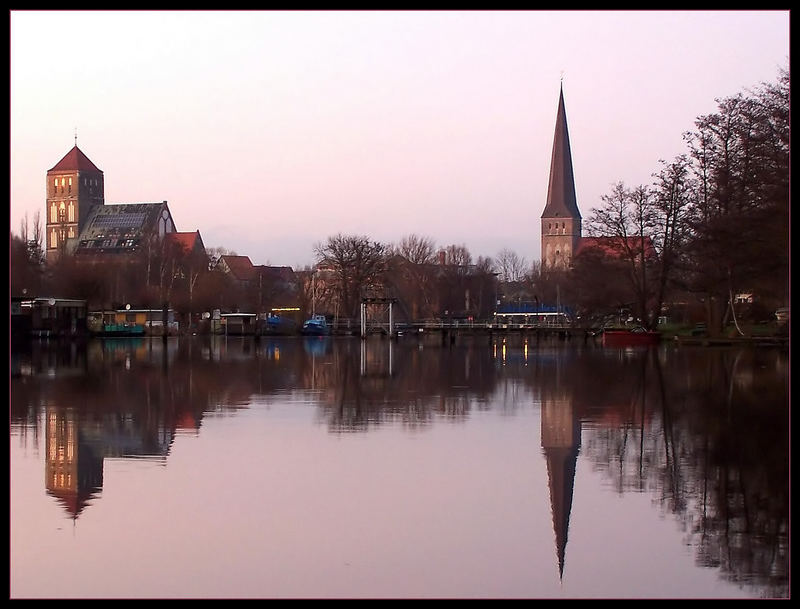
630	336
316	326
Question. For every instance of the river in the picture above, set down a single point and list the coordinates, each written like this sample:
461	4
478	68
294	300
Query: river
236	468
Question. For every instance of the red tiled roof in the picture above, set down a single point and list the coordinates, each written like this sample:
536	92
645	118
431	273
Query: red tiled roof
240	266
187	240
615	246
75	160
284	273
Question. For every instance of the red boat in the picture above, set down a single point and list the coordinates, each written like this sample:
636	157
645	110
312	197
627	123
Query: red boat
630	336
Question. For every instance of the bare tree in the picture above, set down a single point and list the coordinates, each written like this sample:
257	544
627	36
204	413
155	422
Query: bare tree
356	263
626	219
416	249
510	266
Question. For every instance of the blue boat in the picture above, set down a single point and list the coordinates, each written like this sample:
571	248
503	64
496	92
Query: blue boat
316	326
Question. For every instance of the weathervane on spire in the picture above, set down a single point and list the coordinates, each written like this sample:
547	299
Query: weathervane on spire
76	137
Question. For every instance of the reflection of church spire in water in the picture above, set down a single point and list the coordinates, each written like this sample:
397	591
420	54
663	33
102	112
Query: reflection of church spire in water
561	438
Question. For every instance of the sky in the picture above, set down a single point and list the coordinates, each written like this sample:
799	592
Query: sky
269	131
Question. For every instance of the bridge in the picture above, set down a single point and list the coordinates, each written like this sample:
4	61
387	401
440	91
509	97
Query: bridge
524	319
448	329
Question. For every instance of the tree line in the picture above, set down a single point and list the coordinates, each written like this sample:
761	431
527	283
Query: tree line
713	224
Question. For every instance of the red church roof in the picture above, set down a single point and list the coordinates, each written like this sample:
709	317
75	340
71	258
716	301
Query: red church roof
75	160
188	241
615	246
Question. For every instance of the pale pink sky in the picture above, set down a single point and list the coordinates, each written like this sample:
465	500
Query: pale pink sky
270	131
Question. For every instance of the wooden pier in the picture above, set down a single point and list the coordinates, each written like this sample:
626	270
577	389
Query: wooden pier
448	330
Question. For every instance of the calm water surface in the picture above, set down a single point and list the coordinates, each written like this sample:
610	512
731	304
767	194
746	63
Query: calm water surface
218	467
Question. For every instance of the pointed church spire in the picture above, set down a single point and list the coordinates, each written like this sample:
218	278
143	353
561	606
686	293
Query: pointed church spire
561	201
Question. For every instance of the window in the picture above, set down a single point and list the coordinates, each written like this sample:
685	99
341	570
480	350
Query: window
71	214
53	214
53	238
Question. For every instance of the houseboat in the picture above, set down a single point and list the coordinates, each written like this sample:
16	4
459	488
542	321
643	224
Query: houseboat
48	316
132	322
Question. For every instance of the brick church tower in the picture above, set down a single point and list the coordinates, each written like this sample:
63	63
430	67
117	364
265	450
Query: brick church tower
561	220
74	188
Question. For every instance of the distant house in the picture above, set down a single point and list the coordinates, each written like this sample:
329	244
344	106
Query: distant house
277	282
240	268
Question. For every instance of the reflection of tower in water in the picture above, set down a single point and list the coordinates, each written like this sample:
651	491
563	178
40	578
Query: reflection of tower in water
561	439
73	472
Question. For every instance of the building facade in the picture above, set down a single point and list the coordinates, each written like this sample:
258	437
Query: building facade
74	189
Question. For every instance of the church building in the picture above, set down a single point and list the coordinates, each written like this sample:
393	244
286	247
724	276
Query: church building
80	224
561	219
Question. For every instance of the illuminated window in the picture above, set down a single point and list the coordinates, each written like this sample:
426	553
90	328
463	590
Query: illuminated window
53	213
53	238
71	213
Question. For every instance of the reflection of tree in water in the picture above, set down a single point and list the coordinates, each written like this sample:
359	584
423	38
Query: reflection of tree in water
373	382
707	433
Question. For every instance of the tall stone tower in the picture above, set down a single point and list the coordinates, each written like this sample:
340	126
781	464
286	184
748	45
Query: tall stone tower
74	187
561	220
